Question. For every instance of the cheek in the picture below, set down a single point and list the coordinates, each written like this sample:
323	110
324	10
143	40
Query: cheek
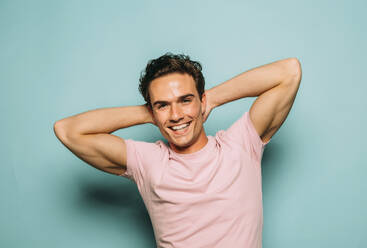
160	118
194	111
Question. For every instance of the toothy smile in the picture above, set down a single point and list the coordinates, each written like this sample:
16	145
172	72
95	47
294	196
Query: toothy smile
179	127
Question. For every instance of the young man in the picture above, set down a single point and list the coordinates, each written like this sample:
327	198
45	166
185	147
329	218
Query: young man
200	191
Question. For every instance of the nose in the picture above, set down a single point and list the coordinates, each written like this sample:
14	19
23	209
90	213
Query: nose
176	113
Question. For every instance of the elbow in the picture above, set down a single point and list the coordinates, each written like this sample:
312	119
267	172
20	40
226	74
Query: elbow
63	130
295	70
59	130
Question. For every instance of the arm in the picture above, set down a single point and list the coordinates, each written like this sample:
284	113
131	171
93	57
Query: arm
276	85
87	135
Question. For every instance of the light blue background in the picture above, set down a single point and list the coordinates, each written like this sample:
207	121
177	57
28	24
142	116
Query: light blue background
60	58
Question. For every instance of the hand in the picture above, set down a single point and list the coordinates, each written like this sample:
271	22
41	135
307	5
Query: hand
208	107
150	118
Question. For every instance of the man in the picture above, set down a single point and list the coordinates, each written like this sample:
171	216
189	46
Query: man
200	191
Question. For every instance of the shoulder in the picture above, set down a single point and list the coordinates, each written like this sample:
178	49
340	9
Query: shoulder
243	133
145	148
236	131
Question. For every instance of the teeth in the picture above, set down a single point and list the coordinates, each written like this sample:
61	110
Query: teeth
180	127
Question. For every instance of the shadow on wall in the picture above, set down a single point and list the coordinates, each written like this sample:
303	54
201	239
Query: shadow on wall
111	201
271	164
115	200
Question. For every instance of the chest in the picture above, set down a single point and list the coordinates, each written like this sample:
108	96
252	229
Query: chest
224	180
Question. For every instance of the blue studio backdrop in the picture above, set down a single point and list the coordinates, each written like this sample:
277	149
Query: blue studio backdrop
60	58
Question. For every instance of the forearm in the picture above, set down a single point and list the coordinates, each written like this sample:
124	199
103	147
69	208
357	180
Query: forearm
252	83
105	120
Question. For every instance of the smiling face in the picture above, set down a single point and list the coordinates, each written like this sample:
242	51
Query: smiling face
177	111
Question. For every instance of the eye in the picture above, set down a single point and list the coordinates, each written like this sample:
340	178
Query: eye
187	100
162	105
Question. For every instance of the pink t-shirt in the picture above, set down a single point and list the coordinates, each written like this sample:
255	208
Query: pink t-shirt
211	198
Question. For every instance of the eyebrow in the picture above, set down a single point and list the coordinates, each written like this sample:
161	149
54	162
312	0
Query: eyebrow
179	98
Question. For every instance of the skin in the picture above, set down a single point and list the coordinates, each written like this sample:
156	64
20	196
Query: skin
89	134
175	101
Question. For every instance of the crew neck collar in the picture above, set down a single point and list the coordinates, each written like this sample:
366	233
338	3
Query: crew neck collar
208	146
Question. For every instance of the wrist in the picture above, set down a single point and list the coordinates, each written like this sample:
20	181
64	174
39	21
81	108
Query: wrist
148	116
210	99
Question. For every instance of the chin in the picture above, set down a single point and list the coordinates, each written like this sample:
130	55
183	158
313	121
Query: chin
181	144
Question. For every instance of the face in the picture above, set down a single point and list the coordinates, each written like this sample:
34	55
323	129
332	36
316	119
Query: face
177	111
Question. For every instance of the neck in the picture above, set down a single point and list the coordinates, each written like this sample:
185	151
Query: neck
200	142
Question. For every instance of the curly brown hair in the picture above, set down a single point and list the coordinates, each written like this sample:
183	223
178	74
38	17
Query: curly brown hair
170	63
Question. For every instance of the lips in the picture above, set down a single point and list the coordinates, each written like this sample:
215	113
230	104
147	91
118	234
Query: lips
179	126
180	129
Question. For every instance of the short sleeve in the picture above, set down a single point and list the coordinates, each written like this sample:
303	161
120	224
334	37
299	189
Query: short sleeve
140	159
129	170
244	133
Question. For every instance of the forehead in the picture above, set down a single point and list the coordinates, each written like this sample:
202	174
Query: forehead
171	86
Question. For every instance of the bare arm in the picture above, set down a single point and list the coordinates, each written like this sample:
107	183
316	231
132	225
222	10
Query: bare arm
276	85
88	135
